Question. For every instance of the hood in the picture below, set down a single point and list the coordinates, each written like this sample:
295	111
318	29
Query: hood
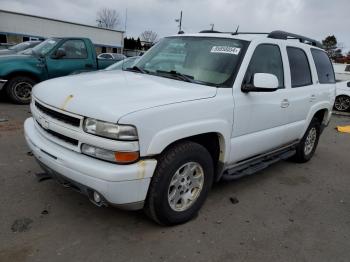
16	57
109	95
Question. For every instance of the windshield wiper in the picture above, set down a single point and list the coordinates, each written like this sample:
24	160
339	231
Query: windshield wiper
136	69
179	75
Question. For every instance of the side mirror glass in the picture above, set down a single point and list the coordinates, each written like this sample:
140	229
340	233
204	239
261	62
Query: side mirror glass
262	82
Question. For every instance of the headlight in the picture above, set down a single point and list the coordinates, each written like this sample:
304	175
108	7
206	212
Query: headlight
110	130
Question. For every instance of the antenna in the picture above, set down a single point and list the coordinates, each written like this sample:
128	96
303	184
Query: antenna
236	32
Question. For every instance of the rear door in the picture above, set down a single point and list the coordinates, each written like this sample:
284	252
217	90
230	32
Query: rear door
77	58
303	92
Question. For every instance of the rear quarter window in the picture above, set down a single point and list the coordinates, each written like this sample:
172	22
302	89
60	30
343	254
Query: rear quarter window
299	67
324	66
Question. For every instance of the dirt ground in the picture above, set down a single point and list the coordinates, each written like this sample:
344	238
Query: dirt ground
288	212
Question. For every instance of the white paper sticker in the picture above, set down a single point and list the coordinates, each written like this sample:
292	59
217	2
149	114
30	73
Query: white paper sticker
225	50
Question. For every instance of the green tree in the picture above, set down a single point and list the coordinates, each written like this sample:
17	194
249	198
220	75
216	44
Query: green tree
330	45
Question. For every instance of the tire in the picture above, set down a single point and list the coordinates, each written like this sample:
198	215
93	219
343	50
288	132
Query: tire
171	184
19	89
307	146
342	103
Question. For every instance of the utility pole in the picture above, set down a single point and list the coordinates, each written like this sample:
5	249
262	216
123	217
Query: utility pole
212	27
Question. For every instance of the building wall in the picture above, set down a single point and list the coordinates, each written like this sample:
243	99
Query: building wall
25	25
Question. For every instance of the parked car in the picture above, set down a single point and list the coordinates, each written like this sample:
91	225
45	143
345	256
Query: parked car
342	72
157	137
5	45
112	56
19	47
342	100
126	63
52	58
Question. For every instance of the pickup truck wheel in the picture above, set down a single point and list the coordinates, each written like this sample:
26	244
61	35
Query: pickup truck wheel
19	89
180	184
307	146
342	103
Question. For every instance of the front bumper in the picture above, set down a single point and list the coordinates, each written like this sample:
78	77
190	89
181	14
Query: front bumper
2	83
121	185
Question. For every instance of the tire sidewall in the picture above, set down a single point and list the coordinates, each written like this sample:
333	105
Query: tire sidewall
163	209
10	89
314	124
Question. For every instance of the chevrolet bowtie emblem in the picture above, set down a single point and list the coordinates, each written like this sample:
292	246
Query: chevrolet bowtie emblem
66	101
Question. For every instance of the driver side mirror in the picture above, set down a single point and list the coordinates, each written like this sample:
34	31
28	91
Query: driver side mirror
59	53
262	82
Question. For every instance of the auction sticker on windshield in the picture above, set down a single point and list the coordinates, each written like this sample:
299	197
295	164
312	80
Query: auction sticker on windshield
225	50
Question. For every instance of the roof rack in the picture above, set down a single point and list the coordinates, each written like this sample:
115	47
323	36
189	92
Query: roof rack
285	36
282	35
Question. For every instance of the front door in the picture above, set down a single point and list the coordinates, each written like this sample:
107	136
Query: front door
261	119
76	58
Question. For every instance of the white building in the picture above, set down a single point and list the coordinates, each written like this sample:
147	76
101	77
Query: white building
19	27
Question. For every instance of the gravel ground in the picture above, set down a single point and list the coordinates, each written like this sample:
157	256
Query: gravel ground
288	212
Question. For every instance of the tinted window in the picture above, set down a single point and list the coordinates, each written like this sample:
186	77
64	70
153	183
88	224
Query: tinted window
266	59
74	49
324	67
299	67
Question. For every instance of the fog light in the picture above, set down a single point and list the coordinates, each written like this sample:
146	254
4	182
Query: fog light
97	197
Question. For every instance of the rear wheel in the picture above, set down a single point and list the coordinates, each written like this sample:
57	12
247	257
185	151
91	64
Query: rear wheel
342	103
307	146
19	89
180	184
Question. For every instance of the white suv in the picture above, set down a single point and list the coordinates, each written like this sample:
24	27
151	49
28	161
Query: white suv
195	109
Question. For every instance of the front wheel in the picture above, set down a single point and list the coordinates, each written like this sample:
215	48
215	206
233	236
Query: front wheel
307	146
19	89
180	184
342	103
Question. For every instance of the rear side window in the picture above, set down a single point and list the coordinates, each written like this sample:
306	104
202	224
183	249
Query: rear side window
324	67
299	67
266	59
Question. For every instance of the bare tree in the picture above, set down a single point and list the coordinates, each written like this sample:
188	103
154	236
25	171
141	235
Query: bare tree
149	36
108	18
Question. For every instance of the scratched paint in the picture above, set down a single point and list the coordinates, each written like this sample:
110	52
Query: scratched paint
65	103
142	169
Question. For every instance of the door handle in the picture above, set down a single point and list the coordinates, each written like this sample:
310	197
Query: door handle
284	103
88	65
312	98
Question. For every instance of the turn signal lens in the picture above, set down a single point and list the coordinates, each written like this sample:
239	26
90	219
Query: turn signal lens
111	156
126	157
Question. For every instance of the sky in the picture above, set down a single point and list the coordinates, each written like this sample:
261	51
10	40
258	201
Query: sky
313	18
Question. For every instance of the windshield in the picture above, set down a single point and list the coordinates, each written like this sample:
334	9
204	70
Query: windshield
46	46
124	64
203	60
20	47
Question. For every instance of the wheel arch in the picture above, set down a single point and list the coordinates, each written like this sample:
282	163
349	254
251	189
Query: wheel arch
24	74
214	142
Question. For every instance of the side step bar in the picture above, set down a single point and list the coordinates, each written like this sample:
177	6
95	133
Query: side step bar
255	164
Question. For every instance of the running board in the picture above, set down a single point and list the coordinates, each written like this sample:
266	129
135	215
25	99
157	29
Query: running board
251	166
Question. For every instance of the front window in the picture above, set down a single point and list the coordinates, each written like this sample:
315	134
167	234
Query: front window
46	46
202	60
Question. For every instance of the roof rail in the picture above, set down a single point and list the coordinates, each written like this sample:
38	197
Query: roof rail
285	36
275	35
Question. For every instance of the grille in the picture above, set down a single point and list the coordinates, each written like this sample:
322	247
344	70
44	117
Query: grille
59	116
66	139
